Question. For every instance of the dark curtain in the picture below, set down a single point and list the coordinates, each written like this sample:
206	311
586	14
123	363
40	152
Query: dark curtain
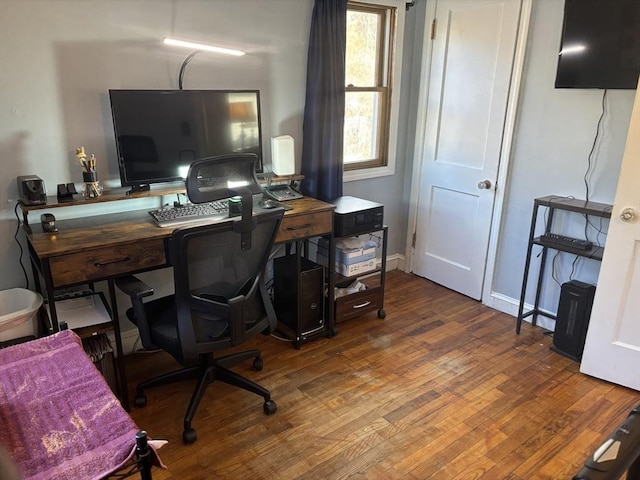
323	127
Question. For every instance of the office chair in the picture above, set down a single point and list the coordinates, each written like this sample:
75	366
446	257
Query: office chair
220	299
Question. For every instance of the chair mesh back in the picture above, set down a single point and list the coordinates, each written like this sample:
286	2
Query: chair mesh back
210	267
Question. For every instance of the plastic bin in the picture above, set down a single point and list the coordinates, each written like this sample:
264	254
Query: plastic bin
18	313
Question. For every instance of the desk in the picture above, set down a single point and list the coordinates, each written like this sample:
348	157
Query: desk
104	247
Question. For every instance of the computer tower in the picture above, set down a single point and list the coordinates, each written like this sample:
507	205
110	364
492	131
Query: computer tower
574	311
301	292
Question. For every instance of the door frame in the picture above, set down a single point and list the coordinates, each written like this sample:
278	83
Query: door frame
505	151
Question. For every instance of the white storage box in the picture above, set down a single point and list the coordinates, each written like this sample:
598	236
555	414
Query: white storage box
18	313
366	250
349	270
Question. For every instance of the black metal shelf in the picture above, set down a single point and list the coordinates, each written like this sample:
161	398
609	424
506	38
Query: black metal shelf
553	203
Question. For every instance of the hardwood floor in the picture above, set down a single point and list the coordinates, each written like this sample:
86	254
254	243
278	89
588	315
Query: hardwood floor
442	388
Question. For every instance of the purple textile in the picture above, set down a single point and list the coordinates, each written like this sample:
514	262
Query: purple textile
58	416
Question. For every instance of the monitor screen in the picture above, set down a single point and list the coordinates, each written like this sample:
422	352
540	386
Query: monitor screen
600	45
159	133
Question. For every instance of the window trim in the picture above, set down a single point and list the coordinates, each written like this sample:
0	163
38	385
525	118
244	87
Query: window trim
395	72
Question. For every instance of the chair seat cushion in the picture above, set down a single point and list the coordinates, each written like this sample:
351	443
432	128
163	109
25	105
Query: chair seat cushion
161	316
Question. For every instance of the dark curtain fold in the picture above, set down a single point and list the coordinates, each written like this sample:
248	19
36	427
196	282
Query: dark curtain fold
323	127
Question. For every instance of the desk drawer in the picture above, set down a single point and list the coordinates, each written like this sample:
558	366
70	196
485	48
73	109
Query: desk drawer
96	264
356	304
296	227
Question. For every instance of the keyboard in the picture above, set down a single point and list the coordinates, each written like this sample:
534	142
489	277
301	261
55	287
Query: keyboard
554	239
190	213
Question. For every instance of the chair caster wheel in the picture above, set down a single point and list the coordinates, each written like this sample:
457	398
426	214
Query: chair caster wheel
189	436
269	407
257	364
382	313
140	401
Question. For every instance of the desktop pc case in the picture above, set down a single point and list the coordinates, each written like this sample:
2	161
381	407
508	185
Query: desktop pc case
304	288
574	311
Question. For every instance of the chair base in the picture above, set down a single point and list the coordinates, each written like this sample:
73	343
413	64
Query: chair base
207	371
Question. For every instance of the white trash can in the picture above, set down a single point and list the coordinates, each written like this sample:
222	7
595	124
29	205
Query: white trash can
18	313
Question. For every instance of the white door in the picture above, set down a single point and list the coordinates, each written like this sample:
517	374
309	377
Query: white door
612	349
469	81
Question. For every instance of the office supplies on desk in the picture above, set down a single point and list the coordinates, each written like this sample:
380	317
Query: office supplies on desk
31	190
48	222
65	192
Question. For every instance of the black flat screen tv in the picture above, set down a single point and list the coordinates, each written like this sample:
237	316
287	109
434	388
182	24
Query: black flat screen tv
159	133
600	45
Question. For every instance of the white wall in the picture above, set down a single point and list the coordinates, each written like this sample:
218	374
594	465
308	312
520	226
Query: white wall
58	59
554	135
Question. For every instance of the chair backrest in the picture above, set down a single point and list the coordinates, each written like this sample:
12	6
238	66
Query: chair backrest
220	295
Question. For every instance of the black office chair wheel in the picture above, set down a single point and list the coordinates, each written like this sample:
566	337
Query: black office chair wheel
382	313
140	401
258	364
189	436
269	407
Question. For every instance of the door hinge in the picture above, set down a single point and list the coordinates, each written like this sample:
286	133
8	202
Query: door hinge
413	240
433	29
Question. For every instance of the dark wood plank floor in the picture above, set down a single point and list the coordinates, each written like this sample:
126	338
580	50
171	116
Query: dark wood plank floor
442	388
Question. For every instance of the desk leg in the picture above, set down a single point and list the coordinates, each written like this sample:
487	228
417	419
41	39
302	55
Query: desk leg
124	395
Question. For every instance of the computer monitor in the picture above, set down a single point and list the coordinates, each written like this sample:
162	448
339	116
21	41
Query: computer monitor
159	133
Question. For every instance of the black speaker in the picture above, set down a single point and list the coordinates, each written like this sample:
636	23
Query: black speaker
302	289
574	311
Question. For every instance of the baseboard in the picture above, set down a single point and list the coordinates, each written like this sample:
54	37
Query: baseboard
510	306
129	339
395	262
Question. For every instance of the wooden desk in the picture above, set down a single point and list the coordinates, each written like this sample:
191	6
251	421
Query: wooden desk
104	247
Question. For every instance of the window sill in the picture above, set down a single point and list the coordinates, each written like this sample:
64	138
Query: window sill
366	173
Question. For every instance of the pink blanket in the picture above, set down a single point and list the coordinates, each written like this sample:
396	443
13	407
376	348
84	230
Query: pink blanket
58	417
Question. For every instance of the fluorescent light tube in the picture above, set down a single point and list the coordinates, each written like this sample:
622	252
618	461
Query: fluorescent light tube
201	46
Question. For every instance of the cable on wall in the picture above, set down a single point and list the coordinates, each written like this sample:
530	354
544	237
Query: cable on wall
15	237
590	160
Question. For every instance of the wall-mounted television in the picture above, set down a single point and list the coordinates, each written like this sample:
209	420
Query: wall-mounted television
159	133
600	45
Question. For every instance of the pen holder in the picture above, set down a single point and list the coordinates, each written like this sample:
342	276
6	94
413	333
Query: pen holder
92	187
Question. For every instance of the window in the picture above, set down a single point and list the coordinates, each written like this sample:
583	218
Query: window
370	104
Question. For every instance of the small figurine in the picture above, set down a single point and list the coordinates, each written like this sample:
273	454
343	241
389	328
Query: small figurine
82	158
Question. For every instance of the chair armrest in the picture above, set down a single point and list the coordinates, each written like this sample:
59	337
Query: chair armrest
134	287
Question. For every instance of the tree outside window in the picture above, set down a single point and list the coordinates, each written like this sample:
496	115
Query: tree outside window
368	79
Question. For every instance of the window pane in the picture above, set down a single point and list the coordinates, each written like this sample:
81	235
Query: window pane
363	39
361	126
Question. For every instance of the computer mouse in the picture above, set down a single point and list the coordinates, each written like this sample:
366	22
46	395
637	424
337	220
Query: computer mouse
268	204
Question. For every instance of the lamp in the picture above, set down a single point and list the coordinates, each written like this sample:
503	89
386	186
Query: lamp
197	47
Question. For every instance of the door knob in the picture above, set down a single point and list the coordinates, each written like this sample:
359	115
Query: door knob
628	214
485	184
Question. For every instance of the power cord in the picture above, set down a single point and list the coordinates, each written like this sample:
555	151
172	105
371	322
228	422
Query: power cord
590	161
15	237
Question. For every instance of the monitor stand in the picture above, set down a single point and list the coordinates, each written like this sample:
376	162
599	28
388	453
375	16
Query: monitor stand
139	188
